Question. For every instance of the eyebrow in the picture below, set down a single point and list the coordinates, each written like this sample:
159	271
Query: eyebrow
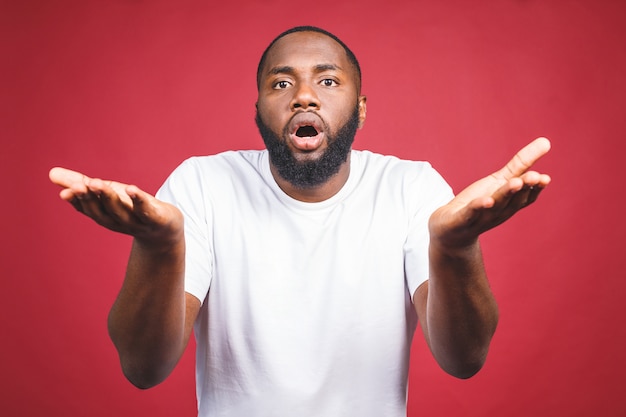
286	69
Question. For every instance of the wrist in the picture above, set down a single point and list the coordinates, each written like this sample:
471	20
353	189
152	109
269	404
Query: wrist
162	243
455	248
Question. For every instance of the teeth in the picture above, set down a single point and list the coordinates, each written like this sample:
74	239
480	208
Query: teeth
306	131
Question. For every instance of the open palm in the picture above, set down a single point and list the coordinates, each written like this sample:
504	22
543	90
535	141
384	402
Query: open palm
491	200
119	207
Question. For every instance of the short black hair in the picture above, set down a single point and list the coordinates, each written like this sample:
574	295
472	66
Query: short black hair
349	53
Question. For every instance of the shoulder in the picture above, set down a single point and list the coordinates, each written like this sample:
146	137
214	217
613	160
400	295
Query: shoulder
229	164
374	164
212	173
222	160
410	181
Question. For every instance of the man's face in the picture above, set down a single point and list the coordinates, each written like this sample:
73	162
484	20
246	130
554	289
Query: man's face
308	108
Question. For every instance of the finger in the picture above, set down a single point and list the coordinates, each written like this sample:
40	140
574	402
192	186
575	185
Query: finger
524	197
144	205
504	194
67	194
544	180
90	205
533	194
530	178
116	205
525	158
535	189
110	189
534	178
66	177
488	217
125	203
75	202
504	202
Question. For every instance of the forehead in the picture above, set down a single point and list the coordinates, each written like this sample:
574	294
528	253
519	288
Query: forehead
305	50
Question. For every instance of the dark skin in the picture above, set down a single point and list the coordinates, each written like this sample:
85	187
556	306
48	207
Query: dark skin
306	73
152	318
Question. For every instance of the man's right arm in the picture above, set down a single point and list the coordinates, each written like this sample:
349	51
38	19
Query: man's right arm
151	320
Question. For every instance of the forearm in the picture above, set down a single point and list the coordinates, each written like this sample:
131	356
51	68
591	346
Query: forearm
461	314
147	320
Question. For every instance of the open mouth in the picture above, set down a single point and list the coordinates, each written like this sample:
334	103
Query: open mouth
306	131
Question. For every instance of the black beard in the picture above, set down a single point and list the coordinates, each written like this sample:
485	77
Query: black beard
310	173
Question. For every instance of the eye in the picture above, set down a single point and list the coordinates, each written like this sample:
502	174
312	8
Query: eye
281	85
329	82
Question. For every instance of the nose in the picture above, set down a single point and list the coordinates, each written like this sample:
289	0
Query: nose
304	97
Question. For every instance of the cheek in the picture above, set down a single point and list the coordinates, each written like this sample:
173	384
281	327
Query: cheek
338	113
271	118
264	107
340	103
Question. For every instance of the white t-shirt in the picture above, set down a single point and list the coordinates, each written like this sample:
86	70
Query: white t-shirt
306	306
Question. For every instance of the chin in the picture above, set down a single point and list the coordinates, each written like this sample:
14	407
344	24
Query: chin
305	169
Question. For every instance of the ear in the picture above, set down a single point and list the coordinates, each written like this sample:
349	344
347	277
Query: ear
362	110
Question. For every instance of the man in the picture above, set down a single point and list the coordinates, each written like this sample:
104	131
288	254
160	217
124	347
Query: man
304	267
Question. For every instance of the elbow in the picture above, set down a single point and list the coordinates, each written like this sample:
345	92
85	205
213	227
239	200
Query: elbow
463	370
143	377
463	364
142	384
144	367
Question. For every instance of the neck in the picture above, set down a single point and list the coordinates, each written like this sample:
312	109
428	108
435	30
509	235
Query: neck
318	193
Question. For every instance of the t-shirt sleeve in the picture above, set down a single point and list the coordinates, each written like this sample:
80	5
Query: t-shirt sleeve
184	189
431	191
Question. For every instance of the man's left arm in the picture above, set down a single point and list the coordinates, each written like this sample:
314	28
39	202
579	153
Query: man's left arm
456	308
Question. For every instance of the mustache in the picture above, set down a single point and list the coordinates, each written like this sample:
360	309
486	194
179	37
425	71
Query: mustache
316	124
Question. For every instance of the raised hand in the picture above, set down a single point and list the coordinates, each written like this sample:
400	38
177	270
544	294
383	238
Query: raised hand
491	200
119	207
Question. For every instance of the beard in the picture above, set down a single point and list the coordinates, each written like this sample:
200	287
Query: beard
310	173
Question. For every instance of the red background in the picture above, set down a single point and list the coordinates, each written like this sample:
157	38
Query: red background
128	89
